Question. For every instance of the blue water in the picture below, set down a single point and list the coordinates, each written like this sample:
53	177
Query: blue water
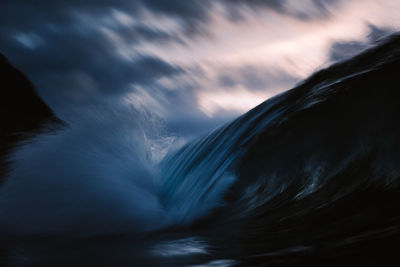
309	176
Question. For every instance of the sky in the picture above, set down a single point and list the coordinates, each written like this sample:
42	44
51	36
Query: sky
195	64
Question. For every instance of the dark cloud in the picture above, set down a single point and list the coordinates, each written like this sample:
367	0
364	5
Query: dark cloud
236	8
376	34
273	4
226	80
60	46
344	50
136	34
20	14
325	4
191	13
256	78
67	60
148	68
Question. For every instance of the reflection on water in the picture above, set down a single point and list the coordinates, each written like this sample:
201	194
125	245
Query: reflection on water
217	263
180	247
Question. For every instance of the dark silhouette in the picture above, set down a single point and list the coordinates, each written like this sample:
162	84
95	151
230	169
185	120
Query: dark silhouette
22	112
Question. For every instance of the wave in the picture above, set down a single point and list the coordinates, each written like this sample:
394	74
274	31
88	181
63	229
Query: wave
309	176
96	175
316	167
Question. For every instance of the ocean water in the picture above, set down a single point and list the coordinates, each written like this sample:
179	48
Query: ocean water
307	178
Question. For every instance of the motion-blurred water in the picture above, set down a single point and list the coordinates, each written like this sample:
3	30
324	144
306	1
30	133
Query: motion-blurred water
309	177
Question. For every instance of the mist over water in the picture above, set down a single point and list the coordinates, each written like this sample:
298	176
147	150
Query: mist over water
98	175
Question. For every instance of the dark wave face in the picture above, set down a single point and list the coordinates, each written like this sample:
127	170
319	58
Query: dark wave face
307	178
316	171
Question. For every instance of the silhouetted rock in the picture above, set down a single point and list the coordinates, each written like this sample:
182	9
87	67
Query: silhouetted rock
22	111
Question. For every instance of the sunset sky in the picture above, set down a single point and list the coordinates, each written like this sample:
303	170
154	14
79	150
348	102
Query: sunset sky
193	63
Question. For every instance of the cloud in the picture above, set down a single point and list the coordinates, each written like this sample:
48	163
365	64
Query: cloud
324	5
179	55
64	46
378	33
142	33
20	14
342	50
256	78
305	10
88	52
191	13
278	5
